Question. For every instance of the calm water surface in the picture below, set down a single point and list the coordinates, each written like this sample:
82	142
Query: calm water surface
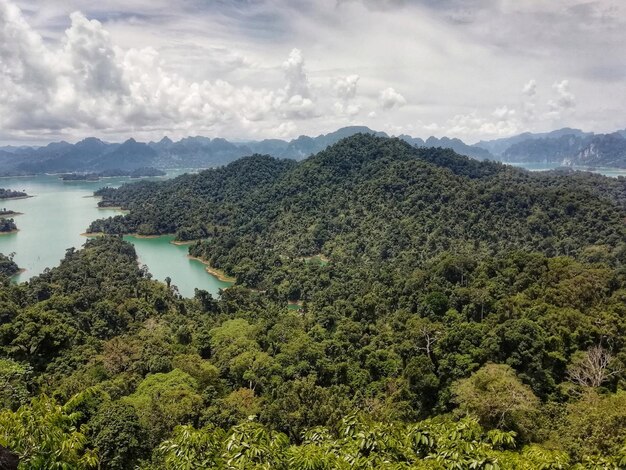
613	172
165	259
54	219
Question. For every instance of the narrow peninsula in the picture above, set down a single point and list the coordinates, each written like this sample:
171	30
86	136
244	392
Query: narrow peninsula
12	194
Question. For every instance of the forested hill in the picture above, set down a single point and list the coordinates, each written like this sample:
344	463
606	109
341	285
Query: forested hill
458	315
193	205
376	200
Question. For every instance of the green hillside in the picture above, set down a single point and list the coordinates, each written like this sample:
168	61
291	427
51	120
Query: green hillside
395	308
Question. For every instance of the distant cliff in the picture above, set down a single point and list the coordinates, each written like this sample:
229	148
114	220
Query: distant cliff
568	147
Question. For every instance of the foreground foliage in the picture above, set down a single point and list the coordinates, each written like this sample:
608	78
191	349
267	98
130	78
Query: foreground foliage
8	267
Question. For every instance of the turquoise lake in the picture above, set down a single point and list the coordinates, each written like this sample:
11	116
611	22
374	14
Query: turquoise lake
54	219
612	172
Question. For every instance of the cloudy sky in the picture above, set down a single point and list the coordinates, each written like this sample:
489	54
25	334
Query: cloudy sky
251	69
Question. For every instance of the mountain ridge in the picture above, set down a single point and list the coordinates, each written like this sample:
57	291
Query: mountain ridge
92	154
566	147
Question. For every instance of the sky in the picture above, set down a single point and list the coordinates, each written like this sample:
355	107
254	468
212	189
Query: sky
254	69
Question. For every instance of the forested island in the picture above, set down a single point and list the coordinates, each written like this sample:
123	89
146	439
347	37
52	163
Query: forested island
11	194
7	225
450	314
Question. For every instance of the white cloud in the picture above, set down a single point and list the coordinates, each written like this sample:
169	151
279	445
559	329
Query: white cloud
86	82
432	127
502	122
529	103
27	72
347	109
298	107
346	87
530	88
390	98
507	120
503	113
529	111
297	81
285	129
296	100
564	102
91	58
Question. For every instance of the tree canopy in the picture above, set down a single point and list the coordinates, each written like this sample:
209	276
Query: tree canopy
394	308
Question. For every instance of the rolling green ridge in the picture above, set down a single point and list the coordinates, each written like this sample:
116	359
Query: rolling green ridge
375	201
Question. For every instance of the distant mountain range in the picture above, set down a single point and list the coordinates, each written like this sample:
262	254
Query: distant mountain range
570	147
567	147
604	150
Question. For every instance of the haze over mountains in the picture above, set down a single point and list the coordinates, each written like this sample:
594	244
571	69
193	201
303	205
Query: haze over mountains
568	147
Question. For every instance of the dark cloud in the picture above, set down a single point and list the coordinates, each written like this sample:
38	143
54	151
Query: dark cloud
253	18
121	15
451	8
606	72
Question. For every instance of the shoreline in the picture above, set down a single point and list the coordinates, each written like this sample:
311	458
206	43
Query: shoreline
99	178
219	274
112	208
134	235
78	180
173	242
10	232
183	242
35	175
12	214
19	271
14	198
